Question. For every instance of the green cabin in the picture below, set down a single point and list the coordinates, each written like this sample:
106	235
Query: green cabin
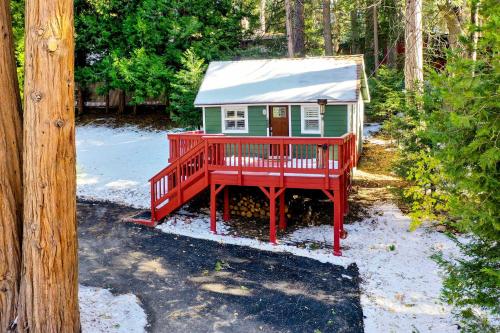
300	97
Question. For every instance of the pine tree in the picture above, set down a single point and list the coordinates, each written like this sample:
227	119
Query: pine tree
186	84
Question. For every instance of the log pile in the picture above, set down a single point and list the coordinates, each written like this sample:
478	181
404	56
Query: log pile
251	206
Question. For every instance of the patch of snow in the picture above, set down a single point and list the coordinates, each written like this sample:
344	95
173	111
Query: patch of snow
370	129
103	312
199	227
401	283
116	164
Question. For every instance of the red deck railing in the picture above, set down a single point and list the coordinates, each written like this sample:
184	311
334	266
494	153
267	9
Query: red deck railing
195	158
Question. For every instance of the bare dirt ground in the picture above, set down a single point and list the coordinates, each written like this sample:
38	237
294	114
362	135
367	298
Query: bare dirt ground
144	119
192	285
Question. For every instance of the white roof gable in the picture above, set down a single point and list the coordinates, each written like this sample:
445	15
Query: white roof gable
336	79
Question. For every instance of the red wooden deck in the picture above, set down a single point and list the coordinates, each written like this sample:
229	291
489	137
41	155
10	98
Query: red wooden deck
273	164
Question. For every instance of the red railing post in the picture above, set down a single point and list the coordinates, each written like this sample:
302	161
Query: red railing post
327	166
213	209
337	217
240	168
272	215
282	162
153	201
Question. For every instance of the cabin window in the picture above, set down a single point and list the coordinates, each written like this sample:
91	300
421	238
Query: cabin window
235	119
310	119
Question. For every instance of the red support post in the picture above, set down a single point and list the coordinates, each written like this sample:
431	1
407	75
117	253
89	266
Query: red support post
226	214
337	222
272	213
282	222
213	209
153	199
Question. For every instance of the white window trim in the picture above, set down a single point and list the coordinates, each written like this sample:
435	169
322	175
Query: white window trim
303	121
223	118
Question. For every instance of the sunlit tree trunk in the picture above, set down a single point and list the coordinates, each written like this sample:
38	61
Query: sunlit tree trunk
454	18
327	28
11	196
474	23
49	282
299	29
262	16
414	60
289	27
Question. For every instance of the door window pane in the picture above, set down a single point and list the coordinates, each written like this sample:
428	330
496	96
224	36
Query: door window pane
279	112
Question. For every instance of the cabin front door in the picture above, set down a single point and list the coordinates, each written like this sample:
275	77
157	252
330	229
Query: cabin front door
278	120
278	126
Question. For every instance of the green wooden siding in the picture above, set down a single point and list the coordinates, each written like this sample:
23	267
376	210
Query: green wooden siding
213	121
336	120
257	121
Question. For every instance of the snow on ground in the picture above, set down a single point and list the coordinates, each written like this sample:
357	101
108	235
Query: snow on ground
115	164
401	284
370	129
199	227
102	312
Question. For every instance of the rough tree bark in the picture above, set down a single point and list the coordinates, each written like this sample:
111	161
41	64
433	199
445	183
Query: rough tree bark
299	48
49	282
375	38
262	16
474	19
289	27
414	60
11	196
355	49
327	28
454	17
394	18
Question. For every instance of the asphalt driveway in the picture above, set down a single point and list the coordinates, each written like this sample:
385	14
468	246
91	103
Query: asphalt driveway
191	285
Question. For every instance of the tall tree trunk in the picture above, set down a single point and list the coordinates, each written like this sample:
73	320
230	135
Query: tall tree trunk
11	196
354	32
368	47
327	28
262	16
375	38
335	23
475	24
454	17
299	48
289	27
394	17
414	60
49	283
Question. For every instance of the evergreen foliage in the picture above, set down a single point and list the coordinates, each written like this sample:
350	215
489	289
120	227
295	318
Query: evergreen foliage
450	154
184	89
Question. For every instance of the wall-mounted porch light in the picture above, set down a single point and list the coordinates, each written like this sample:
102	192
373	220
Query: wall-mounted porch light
322	108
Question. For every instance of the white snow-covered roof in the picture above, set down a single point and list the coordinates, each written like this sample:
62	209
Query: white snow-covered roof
299	80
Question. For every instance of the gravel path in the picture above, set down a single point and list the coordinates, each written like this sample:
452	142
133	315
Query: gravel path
192	285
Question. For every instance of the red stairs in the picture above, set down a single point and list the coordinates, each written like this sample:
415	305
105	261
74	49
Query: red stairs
185	177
